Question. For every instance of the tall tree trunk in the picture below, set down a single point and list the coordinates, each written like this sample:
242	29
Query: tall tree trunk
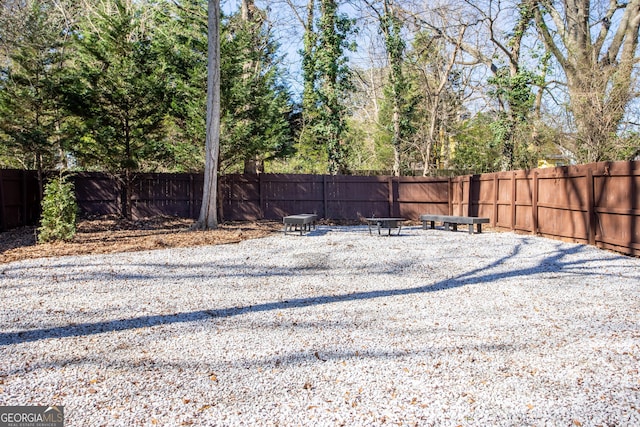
208	213
252	164
395	49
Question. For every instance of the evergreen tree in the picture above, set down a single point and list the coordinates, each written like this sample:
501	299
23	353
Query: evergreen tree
120	90
181	38
255	102
30	109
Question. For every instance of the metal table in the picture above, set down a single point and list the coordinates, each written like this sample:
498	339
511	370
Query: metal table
387	223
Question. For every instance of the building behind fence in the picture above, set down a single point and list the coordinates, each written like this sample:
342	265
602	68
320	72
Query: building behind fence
598	203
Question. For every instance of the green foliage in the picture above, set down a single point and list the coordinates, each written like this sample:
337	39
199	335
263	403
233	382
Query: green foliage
476	150
254	101
372	152
327	85
515	91
59	209
180	38
30	114
120	90
515	95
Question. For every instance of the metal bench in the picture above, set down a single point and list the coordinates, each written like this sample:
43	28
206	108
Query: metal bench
451	221
299	222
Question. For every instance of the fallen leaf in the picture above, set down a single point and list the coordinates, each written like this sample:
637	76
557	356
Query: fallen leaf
577	423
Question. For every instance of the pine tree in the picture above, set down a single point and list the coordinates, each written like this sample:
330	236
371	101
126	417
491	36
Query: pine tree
120	92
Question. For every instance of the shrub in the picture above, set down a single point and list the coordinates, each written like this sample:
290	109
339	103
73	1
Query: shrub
59	208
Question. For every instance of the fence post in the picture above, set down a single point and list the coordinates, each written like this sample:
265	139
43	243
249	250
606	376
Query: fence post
591	217
390	197
325	197
191	196
263	202
24	210
450	196
3	216
534	204
513	200
494	220
468	196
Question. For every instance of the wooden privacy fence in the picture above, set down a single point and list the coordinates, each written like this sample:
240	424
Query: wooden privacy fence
598	203
339	197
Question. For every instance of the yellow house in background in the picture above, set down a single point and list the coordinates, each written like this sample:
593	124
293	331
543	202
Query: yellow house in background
555	160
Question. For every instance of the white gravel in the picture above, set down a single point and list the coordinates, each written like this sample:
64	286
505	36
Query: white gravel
333	328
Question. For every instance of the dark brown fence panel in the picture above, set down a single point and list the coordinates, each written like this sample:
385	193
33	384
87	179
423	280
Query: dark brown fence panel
355	197
523	202
97	194
283	195
562	203
19	198
239	197
166	195
419	195
504	215
482	197
457	196
616	198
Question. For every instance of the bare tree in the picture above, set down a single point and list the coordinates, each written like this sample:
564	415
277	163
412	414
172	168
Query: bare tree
435	77
596	45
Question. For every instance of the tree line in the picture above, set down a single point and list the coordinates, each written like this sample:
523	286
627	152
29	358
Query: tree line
391	86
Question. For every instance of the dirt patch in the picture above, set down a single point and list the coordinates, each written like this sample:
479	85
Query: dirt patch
110	235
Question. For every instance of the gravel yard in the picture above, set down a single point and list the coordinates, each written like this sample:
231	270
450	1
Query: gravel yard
336	327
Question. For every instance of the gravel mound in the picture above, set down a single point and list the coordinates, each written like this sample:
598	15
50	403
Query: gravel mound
337	327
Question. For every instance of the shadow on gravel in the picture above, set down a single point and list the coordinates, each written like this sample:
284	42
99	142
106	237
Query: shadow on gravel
551	264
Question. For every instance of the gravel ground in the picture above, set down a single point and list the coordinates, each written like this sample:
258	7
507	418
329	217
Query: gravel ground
336	327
